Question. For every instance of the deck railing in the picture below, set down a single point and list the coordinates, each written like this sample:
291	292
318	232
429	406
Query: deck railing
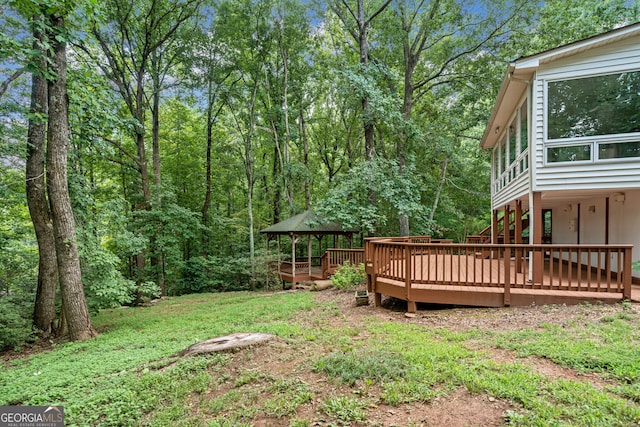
287	266
579	268
333	258
368	248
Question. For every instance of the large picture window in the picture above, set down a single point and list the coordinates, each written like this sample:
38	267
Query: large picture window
599	105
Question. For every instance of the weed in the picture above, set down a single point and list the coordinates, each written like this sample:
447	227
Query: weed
345	409
288	395
249	376
352	366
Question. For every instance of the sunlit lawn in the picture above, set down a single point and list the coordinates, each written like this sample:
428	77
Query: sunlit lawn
130	376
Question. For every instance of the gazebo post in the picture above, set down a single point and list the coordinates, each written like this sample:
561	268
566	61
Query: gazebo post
293	260
279	259
309	254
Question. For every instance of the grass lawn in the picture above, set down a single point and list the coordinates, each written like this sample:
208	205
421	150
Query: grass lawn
337	364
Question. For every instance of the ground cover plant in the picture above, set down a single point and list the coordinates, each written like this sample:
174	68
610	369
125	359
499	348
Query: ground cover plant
334	363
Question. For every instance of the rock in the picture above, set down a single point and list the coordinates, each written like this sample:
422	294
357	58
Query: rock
410	315
227	343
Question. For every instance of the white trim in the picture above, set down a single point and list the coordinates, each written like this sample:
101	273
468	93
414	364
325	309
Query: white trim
534	61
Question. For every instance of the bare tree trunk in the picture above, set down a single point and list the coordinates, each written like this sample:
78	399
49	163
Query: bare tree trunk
249	169
207	194
73	299
305	145
44	312
277	184
443	180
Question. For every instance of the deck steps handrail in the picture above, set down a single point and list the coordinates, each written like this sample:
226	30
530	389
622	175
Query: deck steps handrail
485	234
335	257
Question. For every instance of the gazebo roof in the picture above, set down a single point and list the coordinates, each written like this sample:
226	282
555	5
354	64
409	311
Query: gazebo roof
307	222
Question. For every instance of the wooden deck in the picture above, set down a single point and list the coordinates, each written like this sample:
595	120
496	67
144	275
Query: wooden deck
305	271
499	275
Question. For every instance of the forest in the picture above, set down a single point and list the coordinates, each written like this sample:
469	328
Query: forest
144	144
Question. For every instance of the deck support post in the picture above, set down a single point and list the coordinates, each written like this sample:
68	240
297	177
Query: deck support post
377	299
518	236
494	232
506	222
626	274
377	296
538	226
507	275
411	305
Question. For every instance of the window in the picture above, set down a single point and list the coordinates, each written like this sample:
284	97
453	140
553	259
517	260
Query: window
512	141
591	106
503	155
524	133
572	153
618	150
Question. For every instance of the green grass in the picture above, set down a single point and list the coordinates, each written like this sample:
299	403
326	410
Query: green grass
129	376
345	409
107	380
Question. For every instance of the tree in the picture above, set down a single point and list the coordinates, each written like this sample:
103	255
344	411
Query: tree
360	35
251	48
44	310
131	42
74	305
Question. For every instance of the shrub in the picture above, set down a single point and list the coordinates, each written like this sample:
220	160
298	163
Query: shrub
347	277
223	274
15	322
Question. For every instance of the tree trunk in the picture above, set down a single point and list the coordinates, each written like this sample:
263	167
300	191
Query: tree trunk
157	258
443	180
276	173
73	299
207	194
44	310
305	145
249	171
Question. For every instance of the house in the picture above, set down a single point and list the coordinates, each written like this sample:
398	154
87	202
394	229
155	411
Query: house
565	141
565	190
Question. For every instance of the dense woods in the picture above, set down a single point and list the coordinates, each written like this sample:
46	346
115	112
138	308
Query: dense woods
144	144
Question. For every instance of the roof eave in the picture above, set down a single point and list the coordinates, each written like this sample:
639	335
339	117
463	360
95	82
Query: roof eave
511	88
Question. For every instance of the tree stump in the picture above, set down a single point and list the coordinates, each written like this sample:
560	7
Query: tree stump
227	343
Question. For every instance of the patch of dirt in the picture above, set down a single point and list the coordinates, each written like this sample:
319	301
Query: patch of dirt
281	359
39	346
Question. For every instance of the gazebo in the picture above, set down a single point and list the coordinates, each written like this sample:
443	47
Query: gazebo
318	267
